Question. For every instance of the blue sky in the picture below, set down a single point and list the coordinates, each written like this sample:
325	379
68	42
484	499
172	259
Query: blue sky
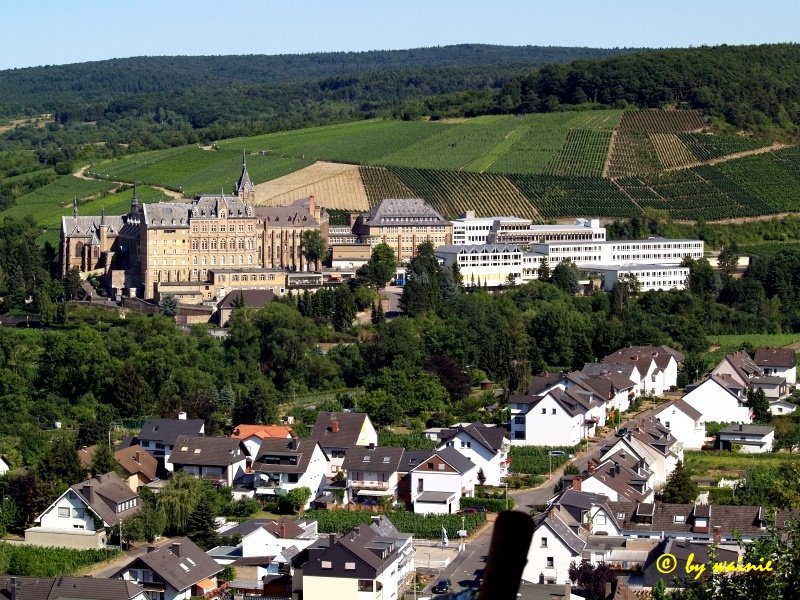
38	32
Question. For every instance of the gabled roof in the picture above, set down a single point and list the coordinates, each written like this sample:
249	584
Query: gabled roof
620	373
252	298
539	384
180	570
744	366
768	380
682	406
642	355
287	216
87	227
167	430
781	358
283	527
379	459
571	540
386	211
744	429
349	427
135	459
207	451
452	457
166	214
293	456
244	431
412	459
491	438
69	588
107	491
622	479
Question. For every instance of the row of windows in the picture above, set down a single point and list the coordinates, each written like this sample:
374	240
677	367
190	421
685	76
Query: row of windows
232	244
204	228
222	260
77	513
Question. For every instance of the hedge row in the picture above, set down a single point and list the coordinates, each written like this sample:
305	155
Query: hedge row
490	504
39	561
420	526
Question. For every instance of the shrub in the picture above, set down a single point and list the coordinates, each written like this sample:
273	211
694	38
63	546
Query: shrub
490	504
420	526
720	496
38	561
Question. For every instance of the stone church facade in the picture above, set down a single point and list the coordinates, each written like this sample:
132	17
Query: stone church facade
199	250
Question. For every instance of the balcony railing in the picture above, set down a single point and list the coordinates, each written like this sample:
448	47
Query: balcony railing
364	484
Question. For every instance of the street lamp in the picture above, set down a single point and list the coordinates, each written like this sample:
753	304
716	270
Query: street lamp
506	485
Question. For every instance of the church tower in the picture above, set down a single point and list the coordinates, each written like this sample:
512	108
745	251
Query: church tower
245	189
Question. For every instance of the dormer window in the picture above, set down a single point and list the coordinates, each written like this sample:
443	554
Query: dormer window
679	519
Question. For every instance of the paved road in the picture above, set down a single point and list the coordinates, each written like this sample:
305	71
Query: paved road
468	565
391	305
527	499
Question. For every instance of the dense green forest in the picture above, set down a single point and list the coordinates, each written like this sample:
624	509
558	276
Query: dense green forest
755	88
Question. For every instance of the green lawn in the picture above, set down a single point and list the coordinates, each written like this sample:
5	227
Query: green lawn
49	203
717	463
730	343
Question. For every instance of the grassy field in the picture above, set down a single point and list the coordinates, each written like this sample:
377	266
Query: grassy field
721	345
49	203
192	170
723	463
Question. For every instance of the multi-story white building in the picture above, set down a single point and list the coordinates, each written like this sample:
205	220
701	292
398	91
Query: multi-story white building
470	229
650	277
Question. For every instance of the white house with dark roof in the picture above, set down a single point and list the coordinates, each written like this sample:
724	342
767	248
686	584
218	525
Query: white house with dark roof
739	367
372	472
439	481
782	407
282	465
557	418
657	366
781	362
178	571
684	421
623	379
221	460
79	517
754	439
158	436
720	398
623	476
336	432
69	588
487	447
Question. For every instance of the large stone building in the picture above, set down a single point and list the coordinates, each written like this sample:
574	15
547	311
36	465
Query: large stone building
199	250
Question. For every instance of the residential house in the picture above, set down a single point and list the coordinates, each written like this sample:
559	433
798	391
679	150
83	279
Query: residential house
623	476
336	432
685	552
72	588
560	417
780	362
250	298
158	435
221	460
773	386
754	439
138	465
684	421
623	379
719	398
487	447
178	571
366	563
79	517
262	558
282	465
253	435
372	472
782	407
657	367
739	367
439	481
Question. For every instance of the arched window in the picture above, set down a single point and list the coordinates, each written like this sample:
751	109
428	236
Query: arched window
79	249
241	259
222	244
249	243
250	260
222	259
204	244
194	244
213	244
213	260
241	243
194	260
204	261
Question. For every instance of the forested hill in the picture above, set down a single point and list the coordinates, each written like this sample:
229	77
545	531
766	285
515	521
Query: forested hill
756	88
48	88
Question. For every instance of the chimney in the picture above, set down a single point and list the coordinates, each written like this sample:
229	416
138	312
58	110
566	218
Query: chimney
592	467
176	548
616	468
88	493
717	534
335	425
182	415
137	456
282	530
12	584
567	591
371	446
151	548
741	426
576	483
331	540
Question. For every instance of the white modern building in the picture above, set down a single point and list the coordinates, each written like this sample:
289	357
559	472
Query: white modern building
650	277
470	229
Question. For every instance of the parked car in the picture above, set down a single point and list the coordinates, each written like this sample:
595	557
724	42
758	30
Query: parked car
622	432
442	587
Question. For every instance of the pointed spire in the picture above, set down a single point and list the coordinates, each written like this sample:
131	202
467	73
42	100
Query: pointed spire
244	159
135	199
244	185
75	207
102	216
